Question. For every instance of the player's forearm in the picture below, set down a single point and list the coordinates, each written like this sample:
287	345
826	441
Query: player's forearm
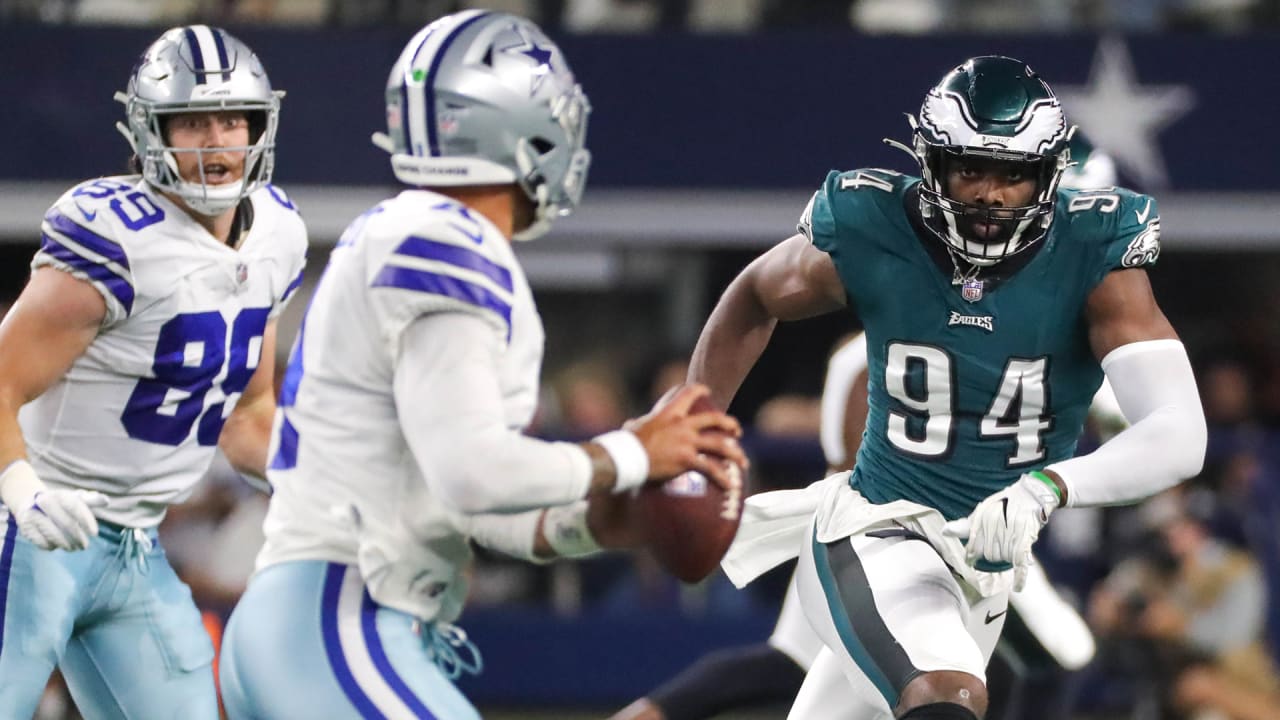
247	435
502	471
545	534
735	335
12	445
1165	445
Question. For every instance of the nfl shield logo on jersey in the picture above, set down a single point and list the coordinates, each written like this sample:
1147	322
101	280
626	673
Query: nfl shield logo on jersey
971	290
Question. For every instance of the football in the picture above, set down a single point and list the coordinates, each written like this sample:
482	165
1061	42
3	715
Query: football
688	522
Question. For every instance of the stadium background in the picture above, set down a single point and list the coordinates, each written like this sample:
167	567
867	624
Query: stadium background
712	123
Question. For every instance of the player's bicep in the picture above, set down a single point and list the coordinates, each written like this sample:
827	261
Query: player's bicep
51	324
448	399
795	280
1122	309
450	404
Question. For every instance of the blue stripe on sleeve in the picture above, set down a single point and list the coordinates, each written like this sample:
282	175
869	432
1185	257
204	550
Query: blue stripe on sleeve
90	240
297	282
118	286
446	285
459	256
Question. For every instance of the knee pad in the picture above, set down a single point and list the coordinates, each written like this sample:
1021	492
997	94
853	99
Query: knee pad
940	711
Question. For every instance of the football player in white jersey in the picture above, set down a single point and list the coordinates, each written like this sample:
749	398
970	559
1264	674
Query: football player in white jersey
398	439
144	339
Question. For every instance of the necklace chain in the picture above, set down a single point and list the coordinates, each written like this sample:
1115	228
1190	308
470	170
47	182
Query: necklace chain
959	277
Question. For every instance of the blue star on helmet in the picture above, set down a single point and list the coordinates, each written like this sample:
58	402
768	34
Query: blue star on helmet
540	55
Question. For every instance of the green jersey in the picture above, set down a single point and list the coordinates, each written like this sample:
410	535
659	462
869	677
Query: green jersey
971	381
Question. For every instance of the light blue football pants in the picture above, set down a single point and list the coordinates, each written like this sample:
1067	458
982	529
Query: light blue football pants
113	617
306	641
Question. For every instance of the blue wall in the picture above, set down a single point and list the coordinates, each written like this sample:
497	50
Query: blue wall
684	111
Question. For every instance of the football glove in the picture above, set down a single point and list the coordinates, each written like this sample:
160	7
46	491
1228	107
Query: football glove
1002	528
51	519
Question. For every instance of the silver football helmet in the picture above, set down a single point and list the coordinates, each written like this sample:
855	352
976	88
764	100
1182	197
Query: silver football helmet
481	98
200	69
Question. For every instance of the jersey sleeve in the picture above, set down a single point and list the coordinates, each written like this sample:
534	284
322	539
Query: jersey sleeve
1131	235
818	222
77	238
438	268
292	237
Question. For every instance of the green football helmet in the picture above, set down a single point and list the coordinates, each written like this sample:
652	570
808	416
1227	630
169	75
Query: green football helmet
995	108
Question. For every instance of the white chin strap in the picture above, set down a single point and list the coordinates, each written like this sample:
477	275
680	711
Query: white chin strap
543	213
211	200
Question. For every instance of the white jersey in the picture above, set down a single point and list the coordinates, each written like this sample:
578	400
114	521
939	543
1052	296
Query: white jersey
138	415
846	364
347	487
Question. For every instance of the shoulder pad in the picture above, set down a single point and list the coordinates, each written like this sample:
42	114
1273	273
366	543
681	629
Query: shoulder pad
446	258
1125	223
844	196
80	234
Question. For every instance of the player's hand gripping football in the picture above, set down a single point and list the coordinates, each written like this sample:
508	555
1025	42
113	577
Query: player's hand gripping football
678	440
1003	527
679	434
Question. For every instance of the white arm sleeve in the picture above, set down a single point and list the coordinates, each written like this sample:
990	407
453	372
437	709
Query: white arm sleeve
845	366
512	534
450	408
1165	443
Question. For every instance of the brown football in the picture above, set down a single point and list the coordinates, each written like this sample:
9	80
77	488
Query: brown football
688	522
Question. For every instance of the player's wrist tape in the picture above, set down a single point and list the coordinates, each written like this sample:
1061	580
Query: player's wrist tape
566	530
630	459
1042	477
18	484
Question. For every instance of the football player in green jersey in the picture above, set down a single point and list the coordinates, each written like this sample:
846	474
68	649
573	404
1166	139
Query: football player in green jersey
993	302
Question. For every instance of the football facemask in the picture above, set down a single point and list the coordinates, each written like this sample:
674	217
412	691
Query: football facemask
199	69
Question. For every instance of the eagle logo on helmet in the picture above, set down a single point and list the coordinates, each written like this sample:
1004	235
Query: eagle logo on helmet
994	109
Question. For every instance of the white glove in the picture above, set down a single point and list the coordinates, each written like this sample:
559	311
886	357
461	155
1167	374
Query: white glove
1002	528
52	519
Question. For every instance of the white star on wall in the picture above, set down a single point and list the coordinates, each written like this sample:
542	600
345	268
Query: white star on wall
1123	117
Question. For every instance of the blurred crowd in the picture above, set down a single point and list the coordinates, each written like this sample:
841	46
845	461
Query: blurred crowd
632	16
